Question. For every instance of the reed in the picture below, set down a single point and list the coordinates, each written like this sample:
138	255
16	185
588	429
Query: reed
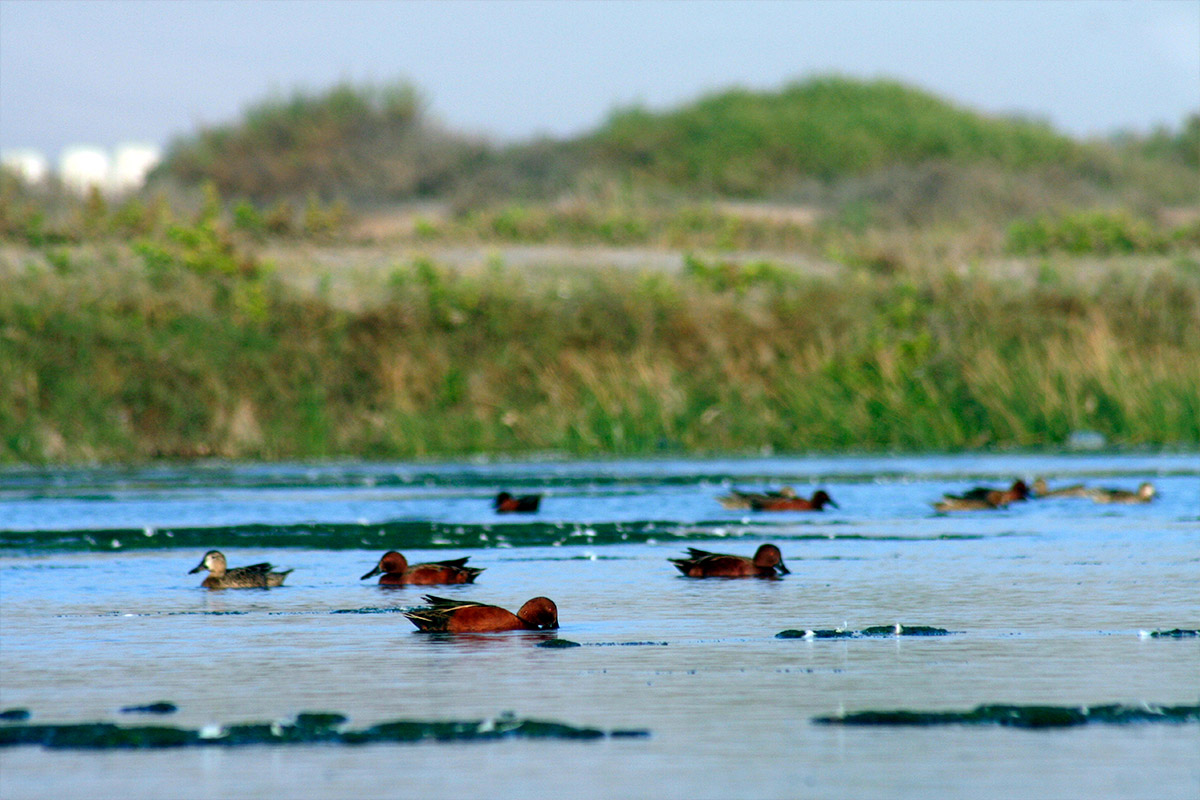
110	356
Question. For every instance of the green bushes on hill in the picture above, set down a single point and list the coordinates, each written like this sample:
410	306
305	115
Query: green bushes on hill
746	143
363	143
840	143
1097	232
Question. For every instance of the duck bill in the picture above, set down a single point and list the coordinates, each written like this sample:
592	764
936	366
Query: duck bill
783	570
196	568
378	569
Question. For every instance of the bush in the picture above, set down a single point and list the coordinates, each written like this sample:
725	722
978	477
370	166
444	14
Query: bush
1093	232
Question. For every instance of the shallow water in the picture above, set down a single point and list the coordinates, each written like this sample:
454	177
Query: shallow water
1045	598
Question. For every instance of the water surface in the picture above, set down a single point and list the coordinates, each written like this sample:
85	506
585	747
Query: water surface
1046	600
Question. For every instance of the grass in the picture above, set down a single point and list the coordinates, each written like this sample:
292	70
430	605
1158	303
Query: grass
111	355
840	265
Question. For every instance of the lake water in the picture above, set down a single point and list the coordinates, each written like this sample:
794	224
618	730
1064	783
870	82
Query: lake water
1045	600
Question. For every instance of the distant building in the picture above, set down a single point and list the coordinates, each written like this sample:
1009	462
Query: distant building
131	164
28	165
82	168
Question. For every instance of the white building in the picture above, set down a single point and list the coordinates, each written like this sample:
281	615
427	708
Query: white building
28	165
131	164
82	168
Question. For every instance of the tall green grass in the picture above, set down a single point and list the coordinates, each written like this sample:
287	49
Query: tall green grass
101	361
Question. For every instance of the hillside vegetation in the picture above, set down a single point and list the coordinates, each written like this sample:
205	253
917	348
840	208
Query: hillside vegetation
838	265
835	142
741	142
360	143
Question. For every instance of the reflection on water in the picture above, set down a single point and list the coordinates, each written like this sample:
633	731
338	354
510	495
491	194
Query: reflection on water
1044	601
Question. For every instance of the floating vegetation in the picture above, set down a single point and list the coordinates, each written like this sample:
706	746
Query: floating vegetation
1173	633
407	534
161	707
307	728
1023	716
875	631
368	610
557	643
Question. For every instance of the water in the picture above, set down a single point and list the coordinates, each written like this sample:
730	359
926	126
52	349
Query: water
1046	599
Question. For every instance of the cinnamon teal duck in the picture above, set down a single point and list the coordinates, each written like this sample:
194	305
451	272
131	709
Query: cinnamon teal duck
220	576
465	616
817	502
737	500
506	503
989	500
767	563
1018	491
1144	494
1042	490
394	570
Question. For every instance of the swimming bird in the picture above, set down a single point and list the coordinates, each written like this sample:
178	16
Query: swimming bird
1144	494
397	571
819	500
465	616
737	500
703	564
1042	490
506	503
1018	491
992	499
255	576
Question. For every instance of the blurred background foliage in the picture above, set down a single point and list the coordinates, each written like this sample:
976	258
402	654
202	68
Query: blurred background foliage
838	264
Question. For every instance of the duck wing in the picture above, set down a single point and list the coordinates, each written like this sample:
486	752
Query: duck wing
449	604
436	615
253	569
456	563
978	493
695	554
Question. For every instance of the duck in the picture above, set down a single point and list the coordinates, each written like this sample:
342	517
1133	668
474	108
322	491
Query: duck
396	571
767	563
992	499
506	503
220	576
444	615
737	500
819	500
1018	491
1144	494
1042	490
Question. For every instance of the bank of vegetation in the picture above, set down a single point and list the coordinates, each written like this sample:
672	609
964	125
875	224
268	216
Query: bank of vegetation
192	348
983	283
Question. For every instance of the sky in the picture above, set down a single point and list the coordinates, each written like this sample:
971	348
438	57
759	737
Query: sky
104	73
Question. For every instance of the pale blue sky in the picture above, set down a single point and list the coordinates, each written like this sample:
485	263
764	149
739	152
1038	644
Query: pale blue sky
107	72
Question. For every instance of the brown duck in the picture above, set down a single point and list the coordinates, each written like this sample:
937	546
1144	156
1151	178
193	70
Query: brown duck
1144	494
220	576
767	563
396	571
465	616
